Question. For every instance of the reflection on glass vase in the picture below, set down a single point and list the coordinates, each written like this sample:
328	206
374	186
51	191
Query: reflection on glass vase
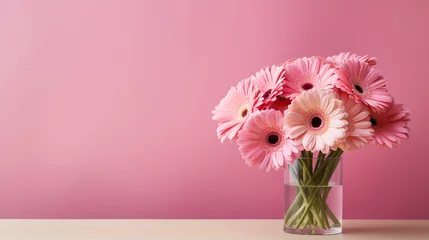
314	194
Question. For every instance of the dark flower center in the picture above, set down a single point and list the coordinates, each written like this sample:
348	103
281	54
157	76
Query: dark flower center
373	122
316	122
307	86
244	113
273	139
358	88
267	93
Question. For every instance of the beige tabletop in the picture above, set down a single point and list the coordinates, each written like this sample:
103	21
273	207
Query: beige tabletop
201	229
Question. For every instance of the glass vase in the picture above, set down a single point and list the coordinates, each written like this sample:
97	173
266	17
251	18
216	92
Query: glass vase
314	194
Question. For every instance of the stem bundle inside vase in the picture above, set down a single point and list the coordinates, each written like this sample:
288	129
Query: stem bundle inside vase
310	207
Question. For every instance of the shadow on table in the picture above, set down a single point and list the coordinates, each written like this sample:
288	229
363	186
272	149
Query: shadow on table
416	230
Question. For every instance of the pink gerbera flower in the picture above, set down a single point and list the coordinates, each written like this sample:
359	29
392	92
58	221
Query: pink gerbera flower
364	84
263	141
391	127
233	111
341	58
270	82
359	130
316	119
307	73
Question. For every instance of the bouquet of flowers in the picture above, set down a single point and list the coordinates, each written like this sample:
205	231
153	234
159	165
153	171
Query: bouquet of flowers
311	106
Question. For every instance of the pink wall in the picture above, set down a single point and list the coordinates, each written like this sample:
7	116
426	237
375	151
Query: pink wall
105	108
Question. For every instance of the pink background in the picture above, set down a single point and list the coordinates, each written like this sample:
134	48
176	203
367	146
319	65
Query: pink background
105	106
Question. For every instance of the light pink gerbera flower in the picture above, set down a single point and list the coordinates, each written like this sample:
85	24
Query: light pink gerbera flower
233	110
391	126
270	82
263	141
341	58
307	73
364	84
359	130
317	120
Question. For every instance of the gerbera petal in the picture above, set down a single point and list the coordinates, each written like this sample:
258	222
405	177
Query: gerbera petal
308	141
294	116
280	159
296	131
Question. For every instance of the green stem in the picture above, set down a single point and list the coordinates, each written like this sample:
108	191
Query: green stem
306	202
310	162
320	157
308	216
302	159
312	210
326	192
